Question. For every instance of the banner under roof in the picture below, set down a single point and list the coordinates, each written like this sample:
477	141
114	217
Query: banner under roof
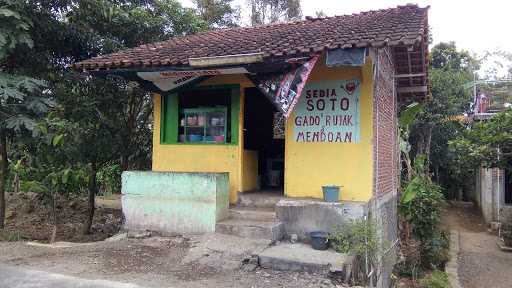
284	88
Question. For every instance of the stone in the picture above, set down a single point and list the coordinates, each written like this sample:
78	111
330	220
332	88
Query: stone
252	229
10	214
117	237
28	208
139	234
301	257
249	267
495	226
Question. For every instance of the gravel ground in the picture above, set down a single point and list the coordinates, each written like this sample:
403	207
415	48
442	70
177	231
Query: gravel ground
481	262
152	262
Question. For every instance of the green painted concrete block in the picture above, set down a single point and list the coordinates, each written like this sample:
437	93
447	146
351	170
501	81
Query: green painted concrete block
174	202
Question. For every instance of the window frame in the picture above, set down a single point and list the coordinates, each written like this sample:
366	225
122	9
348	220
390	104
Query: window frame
169	115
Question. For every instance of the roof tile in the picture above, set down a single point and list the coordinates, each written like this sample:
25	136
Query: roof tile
404	25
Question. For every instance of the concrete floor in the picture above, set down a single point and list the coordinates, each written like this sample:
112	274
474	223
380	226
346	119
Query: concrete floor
480	262
195	261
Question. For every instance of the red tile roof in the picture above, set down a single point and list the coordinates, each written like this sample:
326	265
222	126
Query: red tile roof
400	26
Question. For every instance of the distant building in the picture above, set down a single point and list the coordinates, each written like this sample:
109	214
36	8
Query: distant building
493	191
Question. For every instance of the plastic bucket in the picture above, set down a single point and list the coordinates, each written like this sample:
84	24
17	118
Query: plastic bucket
195	138
319	240
331	193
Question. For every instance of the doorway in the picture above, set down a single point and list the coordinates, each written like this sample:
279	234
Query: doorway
264	137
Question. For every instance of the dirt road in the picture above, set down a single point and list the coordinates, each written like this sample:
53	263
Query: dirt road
197	261
480	262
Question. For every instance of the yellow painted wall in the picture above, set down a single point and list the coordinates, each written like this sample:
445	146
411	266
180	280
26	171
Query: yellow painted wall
250	170
308	166
203	158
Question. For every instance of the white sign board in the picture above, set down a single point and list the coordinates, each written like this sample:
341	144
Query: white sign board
328	111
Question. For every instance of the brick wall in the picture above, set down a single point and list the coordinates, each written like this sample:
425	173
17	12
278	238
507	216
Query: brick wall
384	124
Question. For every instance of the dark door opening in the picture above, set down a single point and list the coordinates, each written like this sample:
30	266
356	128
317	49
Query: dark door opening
264	133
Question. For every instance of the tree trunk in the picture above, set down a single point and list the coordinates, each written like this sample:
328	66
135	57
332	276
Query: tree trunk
54	217
92	193
124	163
3	176
428	142
438	177
16	183
407	161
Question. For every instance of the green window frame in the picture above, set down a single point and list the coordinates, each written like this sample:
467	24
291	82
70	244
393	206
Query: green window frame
169	117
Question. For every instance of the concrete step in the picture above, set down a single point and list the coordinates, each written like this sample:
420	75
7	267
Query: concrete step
254	229
251	213
259	199
302	257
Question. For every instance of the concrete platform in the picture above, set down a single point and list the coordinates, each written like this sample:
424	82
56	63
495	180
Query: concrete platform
253	229
260	199
250	213
301	257
302	216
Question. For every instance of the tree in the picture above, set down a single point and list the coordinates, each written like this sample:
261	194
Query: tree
218	13
111	115
487	144
21	98
450	70
270	11
320	14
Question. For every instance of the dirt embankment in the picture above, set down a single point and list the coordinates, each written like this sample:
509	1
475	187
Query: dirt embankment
28	217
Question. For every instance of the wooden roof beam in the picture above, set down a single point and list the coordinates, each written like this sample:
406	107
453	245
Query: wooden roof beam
413	89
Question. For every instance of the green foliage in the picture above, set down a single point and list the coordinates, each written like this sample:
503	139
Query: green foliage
405	121
421	205
22	102
488	143
15	27
10	236
408	115
109	178
33	186
358	238
270	11
218	13
437	279
423	212
437	124
506	229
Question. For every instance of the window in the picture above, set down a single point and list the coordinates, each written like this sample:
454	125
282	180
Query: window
201	116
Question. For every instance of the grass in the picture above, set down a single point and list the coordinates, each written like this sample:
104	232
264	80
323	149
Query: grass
437	279
9	236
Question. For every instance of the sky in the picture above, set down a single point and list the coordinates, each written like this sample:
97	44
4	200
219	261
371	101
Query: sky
476	26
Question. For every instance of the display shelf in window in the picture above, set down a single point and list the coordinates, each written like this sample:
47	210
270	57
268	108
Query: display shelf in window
203	125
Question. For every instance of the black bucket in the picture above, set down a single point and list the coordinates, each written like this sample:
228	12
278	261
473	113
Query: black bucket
319	240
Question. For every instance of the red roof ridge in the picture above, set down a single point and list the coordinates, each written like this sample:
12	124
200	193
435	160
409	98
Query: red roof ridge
306	20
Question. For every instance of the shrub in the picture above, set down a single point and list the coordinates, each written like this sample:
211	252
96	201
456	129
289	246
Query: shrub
506	230
435	251
9	236
421	205
33	186
438	279
359	239
109	178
